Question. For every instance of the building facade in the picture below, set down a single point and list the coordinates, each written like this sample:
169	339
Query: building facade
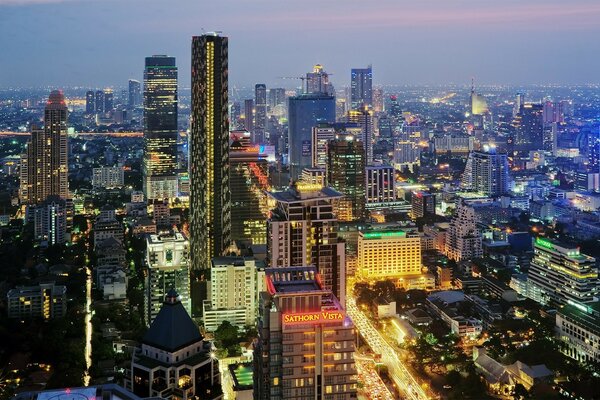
384	254
361	90
45	300
486	172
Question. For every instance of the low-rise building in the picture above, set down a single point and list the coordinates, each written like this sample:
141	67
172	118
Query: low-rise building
578	327
45	300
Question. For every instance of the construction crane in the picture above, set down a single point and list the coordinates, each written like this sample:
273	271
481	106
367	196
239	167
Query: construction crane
302	78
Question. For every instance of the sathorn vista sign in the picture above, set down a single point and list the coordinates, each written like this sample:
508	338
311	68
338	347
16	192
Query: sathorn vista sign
318	317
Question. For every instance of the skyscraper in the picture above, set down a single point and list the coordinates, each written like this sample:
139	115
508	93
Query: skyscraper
317	81
90	102
361	82
486	172
135	93
210	202
364	119
108	100
346	174
260	114
160	128
99	102
44	166
463	238
249	115
303	231
322	134
529	128
305	112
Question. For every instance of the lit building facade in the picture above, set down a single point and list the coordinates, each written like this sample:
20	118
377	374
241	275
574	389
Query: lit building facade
384	254
210	200
45	300
560	274
486	172
303	231
422	204
160	128
168	260
306	342
44	165
260	113
361	90
235	283
578	328
363	119
380	184
108	177
346	174
322	134
50	221
463	237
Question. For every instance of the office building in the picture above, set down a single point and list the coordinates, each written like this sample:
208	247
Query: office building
578	328
313	176
210	201
236	283
44	166
99	102
173	360
422	205
108	177
346	174
322	134
168	260
276	98
46	300
108	100
560	274
260	113
463	237
388	254
453	144
305	340
160	128
134	98
50	221
317	81
303	231
486	172
363	118
361	91
528	127
305	112
378	104
90	102
249	179
380	184
249	115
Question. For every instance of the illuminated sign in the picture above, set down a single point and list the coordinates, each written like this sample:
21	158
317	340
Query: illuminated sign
544	243
308	187
313	317
380	235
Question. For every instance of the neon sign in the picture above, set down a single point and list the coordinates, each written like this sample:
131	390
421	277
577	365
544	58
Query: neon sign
313	317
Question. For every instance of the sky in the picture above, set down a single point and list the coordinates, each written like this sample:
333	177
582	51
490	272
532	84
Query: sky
97	43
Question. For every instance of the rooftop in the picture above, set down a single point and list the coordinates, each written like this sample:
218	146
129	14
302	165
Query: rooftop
242	375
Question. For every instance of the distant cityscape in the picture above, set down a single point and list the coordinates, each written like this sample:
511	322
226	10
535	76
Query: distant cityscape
179	237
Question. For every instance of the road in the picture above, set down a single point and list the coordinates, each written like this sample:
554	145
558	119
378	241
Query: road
374	387
88	326
402	378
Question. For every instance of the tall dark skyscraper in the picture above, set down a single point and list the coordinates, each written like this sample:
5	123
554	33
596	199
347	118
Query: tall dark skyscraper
210	202
135	93
529	128
249	115
90	102
99	102
160	128
305	112
44	166
260	117
108	100
361	82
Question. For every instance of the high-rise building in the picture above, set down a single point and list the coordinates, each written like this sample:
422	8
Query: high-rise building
249	115
173	360
322	134
346	174
260	114
378	105
305	112
276	97
210	201
99	102
249	179
108	100
361	82
168	260
44	166
364	119
302	231
108	177
160	128
579	331
135	94
560	274
45	300
305	340
519	103
317	81
407	150
486	172
388	254
236	283
380	184
529	128
50	221
422	204
90	102
463	238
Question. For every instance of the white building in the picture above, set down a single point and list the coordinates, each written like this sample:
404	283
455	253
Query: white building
50	221
578	327
235	284
463	238
108	177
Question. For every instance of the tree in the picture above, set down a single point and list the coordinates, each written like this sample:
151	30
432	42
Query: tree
226	335
519	392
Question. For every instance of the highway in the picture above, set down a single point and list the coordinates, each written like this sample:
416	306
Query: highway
407	384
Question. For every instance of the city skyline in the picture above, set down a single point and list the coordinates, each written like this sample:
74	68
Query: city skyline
445	43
